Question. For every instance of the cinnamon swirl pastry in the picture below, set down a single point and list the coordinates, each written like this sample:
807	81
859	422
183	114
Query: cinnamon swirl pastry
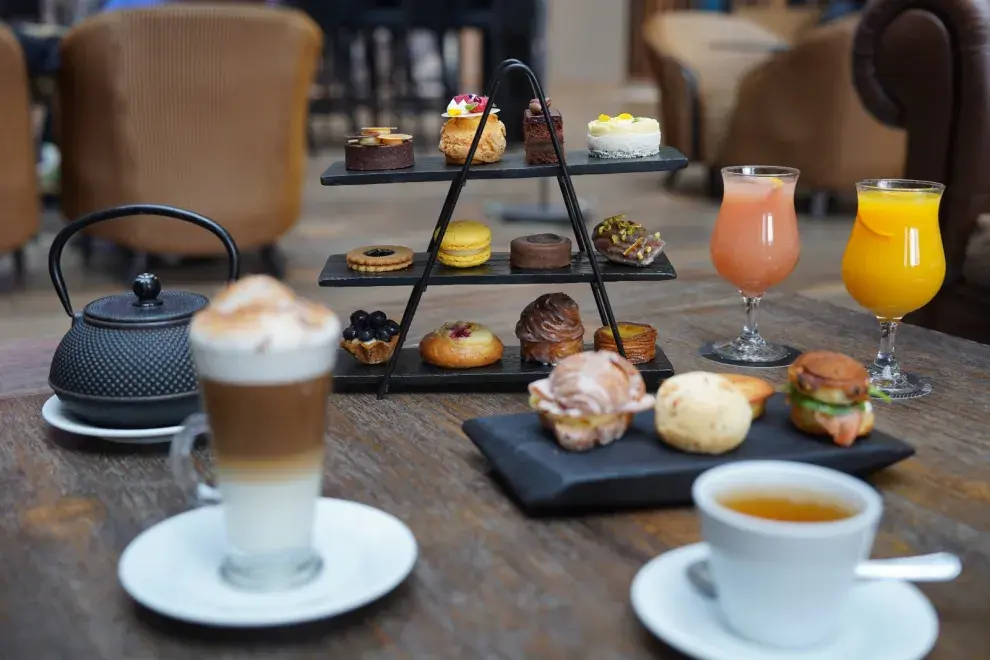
550	329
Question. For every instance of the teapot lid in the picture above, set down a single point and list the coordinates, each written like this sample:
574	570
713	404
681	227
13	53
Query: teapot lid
147	304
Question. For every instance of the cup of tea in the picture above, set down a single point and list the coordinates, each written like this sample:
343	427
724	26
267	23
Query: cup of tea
264	359
784	540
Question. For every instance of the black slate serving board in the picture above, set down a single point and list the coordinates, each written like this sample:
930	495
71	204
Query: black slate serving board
638	470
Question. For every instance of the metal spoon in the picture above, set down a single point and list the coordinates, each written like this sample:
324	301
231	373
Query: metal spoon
936	567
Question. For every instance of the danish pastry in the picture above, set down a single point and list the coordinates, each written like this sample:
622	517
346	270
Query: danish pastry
638	340
461	345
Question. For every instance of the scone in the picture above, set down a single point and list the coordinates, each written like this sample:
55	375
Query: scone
638	340
549	329
702	413
458	131
756	390
465	244
589	399
461	345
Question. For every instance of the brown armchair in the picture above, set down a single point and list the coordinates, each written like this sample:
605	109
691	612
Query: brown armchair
925	66
201	107
770	101
19	203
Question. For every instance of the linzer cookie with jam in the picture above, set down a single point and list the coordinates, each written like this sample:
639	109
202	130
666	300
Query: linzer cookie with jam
379	258
536	135
626	242
378	149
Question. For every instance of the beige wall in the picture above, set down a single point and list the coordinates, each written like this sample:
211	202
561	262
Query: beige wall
587	41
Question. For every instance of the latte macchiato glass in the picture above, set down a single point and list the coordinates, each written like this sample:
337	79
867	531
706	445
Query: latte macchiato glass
264	359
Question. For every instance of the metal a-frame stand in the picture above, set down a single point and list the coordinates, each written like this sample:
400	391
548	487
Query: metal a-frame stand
457	185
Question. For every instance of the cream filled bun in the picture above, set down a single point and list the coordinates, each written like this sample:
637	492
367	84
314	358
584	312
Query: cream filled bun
702	413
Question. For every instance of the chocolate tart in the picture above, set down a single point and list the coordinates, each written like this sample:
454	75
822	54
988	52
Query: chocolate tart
540	252
638	339
378	149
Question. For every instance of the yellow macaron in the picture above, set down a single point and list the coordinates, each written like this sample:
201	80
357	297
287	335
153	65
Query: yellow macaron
467	243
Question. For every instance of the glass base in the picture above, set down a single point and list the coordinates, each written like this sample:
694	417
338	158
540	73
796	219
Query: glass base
901	386
272	573
754	349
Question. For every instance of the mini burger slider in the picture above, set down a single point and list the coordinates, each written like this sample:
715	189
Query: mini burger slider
829	395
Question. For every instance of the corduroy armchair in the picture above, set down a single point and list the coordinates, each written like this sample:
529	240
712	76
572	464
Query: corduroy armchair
197	106
19	203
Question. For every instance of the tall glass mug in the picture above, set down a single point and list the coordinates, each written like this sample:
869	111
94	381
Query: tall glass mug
264	359
893	265
755	246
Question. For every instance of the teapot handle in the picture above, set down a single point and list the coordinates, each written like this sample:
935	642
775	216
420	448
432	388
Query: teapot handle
55	252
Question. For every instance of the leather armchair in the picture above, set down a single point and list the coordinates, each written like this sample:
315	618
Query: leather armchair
19	201
925	66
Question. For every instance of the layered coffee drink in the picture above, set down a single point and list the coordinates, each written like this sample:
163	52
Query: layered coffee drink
264	358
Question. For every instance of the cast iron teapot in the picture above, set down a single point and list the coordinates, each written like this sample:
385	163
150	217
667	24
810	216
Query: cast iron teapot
125	362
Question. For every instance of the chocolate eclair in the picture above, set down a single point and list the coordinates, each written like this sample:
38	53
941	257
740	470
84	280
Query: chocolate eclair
550	329
625	242
540	252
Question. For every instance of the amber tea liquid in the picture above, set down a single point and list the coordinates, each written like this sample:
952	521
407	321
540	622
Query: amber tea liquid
787	506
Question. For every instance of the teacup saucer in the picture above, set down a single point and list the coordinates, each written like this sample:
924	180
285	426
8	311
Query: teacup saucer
884	620
173	568
55	414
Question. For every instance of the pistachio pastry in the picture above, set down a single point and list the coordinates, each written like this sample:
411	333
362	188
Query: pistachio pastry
625	242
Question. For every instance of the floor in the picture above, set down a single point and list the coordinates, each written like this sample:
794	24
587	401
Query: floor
338	219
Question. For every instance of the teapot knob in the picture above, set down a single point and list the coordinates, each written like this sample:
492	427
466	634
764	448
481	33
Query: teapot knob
147	287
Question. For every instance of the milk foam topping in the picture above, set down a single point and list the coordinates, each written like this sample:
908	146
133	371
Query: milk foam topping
258	330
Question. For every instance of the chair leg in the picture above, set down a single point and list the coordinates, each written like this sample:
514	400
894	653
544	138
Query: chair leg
670	181
273	261
20	265
715	183
818	206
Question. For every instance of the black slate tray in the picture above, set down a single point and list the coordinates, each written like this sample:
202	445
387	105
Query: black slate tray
496	270
640	471
510	374
511	166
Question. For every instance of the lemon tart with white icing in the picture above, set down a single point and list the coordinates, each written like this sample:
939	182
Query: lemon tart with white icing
623	136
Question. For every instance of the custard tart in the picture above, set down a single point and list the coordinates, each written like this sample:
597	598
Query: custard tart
638	339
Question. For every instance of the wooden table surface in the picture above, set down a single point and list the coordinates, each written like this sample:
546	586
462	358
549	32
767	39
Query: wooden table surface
490	582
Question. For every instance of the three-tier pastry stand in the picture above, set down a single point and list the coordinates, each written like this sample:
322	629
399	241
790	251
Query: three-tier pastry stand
405	368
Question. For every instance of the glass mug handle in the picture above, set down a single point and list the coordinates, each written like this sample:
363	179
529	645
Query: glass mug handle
191	476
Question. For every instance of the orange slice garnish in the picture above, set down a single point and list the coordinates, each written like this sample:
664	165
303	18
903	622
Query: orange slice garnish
873	229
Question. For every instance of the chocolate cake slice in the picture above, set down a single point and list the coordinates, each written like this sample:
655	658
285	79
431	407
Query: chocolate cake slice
536	136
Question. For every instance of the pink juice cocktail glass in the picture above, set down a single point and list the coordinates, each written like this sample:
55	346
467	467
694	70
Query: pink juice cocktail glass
754	246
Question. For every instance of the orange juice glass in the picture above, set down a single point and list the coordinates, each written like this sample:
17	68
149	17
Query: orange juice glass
893	265
755	245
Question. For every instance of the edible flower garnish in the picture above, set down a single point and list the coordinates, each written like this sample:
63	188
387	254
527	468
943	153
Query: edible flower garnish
466	104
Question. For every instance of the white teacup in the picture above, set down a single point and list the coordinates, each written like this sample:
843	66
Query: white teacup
784	584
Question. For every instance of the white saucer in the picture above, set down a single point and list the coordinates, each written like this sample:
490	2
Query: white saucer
174	568
60	418
884	620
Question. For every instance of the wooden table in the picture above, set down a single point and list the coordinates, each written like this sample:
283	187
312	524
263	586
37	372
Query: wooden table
490	583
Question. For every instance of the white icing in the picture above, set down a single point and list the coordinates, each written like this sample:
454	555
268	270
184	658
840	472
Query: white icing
258	331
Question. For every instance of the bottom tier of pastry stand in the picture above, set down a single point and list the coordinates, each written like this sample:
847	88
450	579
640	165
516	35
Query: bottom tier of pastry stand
510	374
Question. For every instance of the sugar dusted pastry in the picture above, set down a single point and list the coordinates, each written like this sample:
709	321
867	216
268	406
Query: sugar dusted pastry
702	413
623	136
625	242
464	116
590	399
550	329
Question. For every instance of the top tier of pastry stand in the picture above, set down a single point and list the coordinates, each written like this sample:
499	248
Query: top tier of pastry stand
406	370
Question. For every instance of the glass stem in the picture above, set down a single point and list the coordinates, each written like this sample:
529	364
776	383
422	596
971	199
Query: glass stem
751	329
885	365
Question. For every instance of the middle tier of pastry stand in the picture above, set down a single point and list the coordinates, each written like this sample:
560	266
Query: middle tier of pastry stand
405	370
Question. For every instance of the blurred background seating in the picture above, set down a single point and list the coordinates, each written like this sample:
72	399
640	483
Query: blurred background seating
19	201
747	87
